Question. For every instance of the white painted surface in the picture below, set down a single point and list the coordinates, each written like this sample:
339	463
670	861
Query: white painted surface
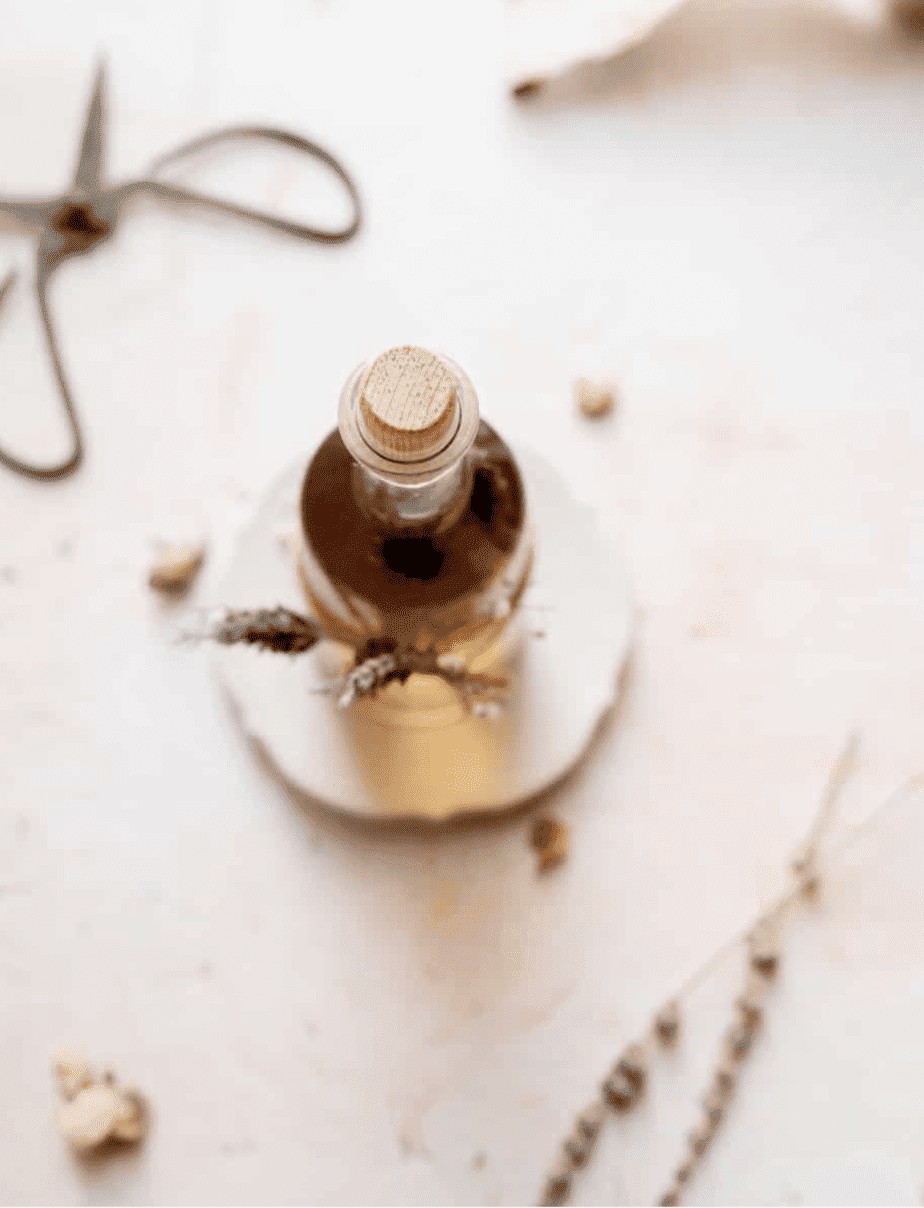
320	1012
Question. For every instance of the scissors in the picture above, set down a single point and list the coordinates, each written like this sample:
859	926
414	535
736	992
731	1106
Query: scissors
76	221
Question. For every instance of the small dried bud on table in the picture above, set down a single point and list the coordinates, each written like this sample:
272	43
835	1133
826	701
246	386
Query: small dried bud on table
97	1108
549	839
176	568
594	399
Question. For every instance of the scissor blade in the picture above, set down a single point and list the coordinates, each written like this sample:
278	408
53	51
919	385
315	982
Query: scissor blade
88	175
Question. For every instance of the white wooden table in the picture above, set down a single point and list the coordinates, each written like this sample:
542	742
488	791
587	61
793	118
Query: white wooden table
324	1013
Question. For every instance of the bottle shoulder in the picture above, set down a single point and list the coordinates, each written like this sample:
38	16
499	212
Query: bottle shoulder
410	576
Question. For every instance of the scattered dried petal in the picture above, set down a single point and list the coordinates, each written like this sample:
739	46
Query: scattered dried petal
176	567
667	1023
594	399
72	1071
549	839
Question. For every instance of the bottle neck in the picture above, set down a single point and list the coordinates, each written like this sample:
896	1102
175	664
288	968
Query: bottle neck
431	504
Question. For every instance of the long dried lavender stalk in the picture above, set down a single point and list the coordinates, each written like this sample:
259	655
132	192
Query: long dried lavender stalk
625	1084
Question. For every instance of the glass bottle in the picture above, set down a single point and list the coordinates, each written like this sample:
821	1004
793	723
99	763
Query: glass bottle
414	526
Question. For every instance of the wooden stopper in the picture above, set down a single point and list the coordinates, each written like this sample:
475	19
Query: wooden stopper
408	406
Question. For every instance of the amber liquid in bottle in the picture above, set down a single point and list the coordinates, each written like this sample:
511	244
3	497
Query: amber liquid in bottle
422	583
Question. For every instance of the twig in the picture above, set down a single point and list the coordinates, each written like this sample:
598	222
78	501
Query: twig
807	852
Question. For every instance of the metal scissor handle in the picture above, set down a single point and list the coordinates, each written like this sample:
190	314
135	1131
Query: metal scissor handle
268	134
70	463
78	220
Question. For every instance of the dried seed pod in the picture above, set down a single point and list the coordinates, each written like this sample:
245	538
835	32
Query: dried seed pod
72	1071
557	1186
670	1197
619	1091
805	870
590	1121
765	952
633	1064
549	839
667	1023
90	1117
738	1040
726	1078
527	88
714	1107
683	1173
576	1148
751	1012
594	399
176	568
699	1138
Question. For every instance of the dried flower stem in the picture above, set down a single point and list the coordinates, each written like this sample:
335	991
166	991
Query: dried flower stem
625	1084
824	818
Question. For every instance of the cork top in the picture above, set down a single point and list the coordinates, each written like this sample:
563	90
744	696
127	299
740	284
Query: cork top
407	403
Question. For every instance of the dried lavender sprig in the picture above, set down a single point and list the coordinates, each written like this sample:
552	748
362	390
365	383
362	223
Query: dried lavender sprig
625	1083
375	668
376	664
278	629
366	678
